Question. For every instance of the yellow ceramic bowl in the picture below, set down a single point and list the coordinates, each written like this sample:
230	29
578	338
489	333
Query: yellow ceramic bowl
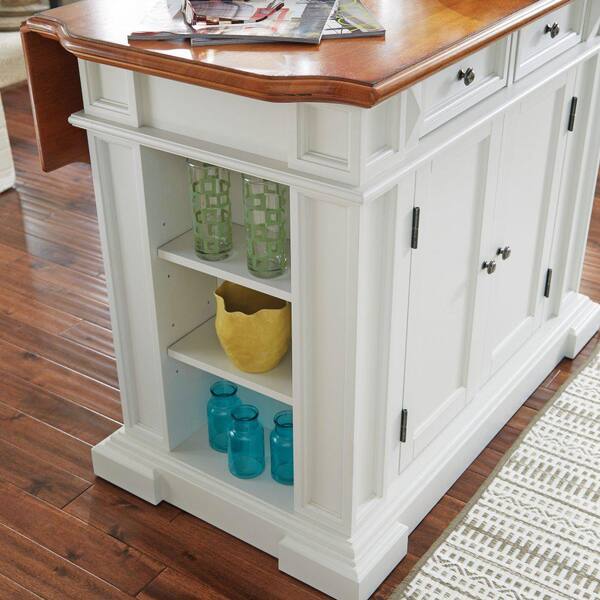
254	329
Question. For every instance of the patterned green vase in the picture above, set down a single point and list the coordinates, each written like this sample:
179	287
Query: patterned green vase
265	213
211	207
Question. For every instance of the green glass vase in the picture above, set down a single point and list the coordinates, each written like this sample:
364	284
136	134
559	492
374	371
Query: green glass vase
211	208
265	214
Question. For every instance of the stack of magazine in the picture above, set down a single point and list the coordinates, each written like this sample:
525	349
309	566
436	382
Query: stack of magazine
220	22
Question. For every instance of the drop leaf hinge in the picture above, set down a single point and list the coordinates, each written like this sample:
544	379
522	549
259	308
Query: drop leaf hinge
414	235
403	420
573	113
548	284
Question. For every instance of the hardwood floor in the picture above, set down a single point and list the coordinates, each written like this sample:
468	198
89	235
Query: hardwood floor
64	533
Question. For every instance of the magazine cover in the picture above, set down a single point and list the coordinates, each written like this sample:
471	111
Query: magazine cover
352	19
218	12
300	21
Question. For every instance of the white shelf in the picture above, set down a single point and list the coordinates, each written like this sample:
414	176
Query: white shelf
201	349
196	452
181	251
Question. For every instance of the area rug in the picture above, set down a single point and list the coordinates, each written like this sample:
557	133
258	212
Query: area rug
533	531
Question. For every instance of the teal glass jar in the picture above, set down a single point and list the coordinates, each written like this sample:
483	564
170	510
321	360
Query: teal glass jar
246	450
223	399
282	448
265	214
211	208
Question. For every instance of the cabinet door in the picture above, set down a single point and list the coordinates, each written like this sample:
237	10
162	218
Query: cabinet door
533	145
447	299
577	189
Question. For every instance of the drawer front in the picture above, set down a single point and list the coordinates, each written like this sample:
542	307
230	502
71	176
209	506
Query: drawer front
461	85
548	37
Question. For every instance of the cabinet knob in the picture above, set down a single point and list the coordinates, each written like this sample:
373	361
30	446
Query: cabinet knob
553	30
504	252
489	266
468	76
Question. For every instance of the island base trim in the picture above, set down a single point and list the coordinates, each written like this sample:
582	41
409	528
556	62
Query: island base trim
347	568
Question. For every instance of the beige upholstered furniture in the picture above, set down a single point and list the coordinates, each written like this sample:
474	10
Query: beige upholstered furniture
12	70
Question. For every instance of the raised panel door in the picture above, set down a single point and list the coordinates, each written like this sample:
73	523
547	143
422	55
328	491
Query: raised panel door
448	297
534	137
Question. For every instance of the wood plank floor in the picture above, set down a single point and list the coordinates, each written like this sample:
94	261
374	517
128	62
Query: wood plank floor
65	534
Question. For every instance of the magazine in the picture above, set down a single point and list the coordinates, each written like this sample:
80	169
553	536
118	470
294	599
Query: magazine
351	19
301	21
164	21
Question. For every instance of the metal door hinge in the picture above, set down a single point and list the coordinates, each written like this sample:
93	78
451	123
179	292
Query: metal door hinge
548	283
573	113
414	236
403	420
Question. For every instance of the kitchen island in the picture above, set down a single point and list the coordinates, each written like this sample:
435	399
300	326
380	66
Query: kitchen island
441	183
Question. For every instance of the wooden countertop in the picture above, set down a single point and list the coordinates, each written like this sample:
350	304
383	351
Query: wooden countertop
422	37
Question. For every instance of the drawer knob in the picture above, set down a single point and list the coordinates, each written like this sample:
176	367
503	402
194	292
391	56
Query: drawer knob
468	76
553	30
504	252
489	266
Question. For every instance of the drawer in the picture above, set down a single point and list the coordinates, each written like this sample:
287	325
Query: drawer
456	88
546	38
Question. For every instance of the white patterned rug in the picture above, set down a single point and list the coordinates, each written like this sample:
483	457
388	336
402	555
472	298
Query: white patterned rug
534	532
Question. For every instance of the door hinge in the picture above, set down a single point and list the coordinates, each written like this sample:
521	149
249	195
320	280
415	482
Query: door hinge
573	113
548	283
403	420
414	236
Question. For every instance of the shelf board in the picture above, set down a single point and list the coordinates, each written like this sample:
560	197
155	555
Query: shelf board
181	251
196	452
201	349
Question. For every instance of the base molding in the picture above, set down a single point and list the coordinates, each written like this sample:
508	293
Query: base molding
352	567
339	579
584	326
125	470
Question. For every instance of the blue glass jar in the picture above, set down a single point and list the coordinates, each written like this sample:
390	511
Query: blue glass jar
246	443
282	448
222	401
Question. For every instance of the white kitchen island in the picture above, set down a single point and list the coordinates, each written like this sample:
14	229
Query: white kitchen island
437	228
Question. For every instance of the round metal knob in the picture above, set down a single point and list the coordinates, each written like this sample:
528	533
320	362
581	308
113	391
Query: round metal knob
504	252
489	266
553	30
468	76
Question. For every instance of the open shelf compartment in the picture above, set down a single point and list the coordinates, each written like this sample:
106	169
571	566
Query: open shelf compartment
201	349
192	357
195	452
181	251
185	284
180	248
